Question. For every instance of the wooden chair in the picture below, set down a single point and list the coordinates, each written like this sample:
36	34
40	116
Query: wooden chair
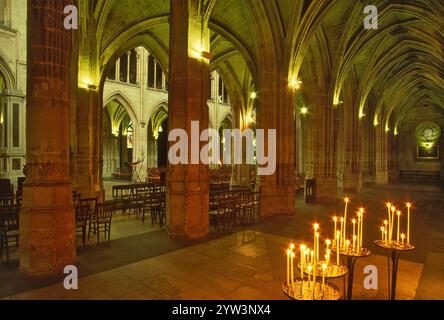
101	221
9	229
83	214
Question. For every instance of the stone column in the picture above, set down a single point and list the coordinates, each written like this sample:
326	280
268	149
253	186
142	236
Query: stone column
89	142
188	184
322	154
47	228
351	147
277	111
381	163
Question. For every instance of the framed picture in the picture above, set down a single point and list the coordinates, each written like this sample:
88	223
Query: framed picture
428	152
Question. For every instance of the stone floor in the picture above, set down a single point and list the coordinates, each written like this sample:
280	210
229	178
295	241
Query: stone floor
249	264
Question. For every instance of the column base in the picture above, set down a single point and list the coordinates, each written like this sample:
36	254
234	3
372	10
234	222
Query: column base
277	201
47	230
382	178
352	183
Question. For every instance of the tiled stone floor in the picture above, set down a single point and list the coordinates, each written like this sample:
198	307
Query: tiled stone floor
245	265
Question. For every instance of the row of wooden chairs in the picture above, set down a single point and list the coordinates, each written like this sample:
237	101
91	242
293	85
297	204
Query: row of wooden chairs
9	225
233	208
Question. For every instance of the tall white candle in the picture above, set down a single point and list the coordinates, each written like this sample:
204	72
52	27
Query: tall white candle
409	205
288	266
399	223
335	219
346	200
302	260
292	267
392	223
341	239
338	235
362	229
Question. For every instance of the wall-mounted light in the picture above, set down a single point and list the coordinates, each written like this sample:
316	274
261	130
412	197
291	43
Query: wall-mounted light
160	130
304	110
295	84
253	95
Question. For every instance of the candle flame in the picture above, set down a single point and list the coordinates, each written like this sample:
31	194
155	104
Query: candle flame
303	247
399	213
346	200
382	229
316	226
335	219
324	266
386	222
288	252
328	242
361	210
354	221
408	204
393	209
389	205
342	219
291	246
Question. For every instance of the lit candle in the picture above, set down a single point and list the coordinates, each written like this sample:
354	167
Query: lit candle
409	205
382	233
292	267
327	257
328	243
354	243
359	230
324	269
402	238
399	223
312	255
347	245
317	246
335	219
303	247
354	227
346	200
386	237
288	266
309	269
392	222
341	239
338	235
362	229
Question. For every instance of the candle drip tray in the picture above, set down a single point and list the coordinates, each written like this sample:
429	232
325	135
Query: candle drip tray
361	253
303	290
394	245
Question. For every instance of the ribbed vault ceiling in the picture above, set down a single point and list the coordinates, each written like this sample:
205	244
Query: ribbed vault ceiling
394	68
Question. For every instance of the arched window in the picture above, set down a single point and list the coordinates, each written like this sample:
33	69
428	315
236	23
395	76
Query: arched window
223	93
156	76
2	83
123	77
5	13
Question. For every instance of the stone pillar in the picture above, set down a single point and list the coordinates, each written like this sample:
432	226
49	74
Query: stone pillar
188	184
351	147
322	133
381	163
240	175
89	142
47	228
276	111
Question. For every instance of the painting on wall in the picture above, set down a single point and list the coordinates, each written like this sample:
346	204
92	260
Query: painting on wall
428	152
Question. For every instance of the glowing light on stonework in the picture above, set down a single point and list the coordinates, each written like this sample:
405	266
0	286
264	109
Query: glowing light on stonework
295	84
304	110
253	95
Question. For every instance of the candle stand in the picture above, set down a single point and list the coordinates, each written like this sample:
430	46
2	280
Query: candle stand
352	256
393	250
301	290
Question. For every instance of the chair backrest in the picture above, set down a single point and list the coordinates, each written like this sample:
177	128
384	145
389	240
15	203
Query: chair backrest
91	203
106	210
6	202
83	212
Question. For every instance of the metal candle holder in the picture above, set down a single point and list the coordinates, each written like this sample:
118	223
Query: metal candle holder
351	256
393	250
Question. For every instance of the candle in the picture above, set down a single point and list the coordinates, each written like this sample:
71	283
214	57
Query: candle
288	266
302	260
328	243
347	245
392	222
327	257
402	238
354	243
386	237
338	235
346	200
309	269
292	267
362	229
335	219
399	222
317	246
382	233
341	242
359	230
409	205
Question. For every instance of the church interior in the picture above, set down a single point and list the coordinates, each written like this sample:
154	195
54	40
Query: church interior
91	92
